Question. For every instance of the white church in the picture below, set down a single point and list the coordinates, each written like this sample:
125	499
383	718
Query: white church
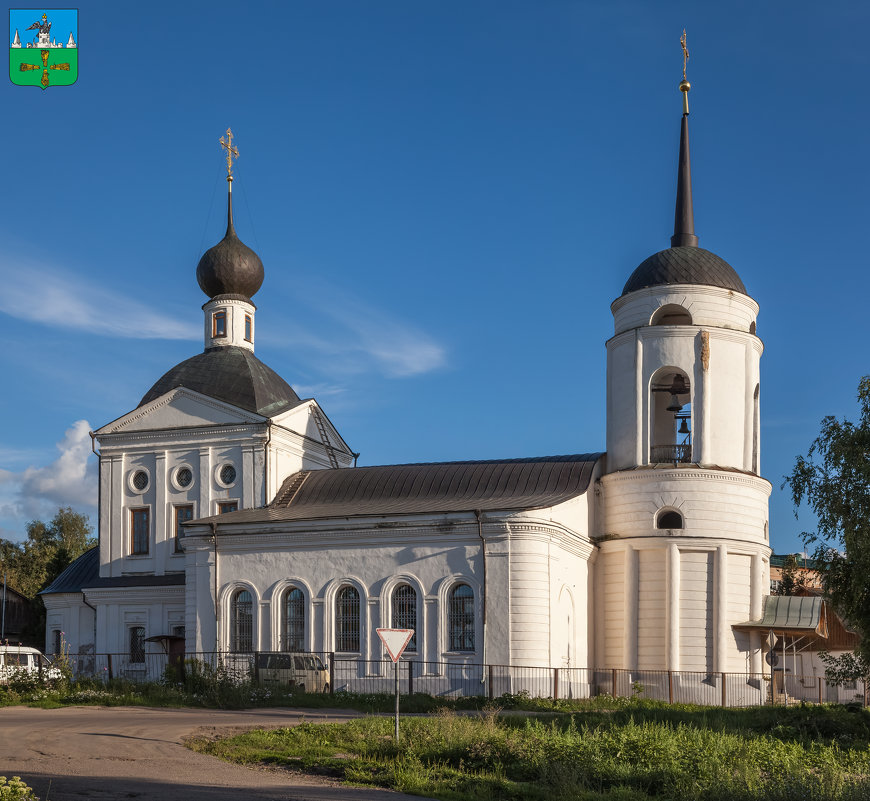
232	512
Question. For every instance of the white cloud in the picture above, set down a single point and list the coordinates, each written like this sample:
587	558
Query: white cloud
37	492
40	294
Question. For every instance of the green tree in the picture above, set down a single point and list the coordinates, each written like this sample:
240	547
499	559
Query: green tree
834	480
793	578
49	548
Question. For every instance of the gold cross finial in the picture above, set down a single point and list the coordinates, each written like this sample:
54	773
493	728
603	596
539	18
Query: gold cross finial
232	152
685	52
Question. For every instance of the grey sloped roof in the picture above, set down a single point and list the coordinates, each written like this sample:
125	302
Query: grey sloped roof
790	613
84	573
505	484
231	374
684	265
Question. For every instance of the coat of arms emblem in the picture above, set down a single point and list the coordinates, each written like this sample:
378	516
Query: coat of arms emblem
48	56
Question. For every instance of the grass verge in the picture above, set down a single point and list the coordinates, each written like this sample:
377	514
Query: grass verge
632	753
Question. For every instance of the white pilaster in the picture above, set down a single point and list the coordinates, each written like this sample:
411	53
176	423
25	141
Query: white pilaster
673	627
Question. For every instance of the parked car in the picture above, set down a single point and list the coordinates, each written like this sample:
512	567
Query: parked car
303	671
18	659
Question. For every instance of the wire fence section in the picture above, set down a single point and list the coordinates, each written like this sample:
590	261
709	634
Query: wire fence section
340	673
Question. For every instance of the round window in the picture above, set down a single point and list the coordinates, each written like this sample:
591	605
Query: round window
228	474
184	476
140	480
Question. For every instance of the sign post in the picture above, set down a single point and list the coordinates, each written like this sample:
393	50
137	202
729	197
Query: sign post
395	641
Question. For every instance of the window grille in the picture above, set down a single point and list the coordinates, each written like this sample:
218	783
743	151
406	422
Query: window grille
141	531
140	480
294	620
137	644
242	623
460	618
347	619
184	477
228	474
58	641
405	611
182	515
178	631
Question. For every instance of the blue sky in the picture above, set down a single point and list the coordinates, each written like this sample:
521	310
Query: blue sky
446	197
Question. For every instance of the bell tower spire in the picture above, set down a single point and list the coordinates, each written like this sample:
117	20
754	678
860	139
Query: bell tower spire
684	218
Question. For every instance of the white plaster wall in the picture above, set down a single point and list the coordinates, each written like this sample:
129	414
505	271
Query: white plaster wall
652	608
611	567
709	306
696	610
739	611
714	503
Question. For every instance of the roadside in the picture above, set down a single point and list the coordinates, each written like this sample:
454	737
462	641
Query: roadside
138	752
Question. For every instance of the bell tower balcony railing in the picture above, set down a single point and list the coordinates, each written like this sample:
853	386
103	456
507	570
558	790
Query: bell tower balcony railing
675	454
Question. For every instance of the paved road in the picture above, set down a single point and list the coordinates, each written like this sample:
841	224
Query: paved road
134	752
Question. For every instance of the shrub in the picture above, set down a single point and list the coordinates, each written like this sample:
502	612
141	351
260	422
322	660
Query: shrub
15	790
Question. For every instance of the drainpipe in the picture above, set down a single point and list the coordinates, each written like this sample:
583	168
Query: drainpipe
478	514
216	604
85	602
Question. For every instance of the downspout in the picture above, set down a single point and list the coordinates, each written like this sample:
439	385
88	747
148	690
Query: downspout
478	514
216	604
85	602
266	463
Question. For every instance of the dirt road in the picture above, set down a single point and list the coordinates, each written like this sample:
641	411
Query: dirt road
133	752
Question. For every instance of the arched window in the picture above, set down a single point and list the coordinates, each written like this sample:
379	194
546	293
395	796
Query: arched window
671	314
670	417
347	619
242	622
404	608
755	415
669	519
752	328
293	635
460	619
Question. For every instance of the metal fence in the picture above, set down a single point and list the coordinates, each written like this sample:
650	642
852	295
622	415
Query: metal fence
465	679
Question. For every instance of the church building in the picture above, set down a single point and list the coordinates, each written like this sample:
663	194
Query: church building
232	512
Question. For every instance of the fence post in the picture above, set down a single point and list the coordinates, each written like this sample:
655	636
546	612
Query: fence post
410	677
556	684
489	676
332	672
821	701
670	686
724	698
257	666
613	682
110	666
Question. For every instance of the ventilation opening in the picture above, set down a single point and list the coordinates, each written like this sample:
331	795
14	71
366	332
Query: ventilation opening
671	314
669	519
752	327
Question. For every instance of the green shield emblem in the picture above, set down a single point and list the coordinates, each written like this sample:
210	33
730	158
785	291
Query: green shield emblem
43	46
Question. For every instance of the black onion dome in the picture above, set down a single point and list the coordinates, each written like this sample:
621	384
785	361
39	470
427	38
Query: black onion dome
684	265
230	374
230	267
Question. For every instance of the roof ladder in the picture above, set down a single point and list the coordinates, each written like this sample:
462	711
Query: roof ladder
324	437
292	489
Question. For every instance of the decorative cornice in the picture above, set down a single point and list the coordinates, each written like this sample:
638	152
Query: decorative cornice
660	290
687	474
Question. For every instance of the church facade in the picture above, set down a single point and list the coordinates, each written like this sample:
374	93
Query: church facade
232	512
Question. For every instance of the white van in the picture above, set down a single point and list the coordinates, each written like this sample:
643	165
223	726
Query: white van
18	659
303	671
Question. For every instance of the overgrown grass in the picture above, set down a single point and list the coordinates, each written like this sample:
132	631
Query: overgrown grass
636	752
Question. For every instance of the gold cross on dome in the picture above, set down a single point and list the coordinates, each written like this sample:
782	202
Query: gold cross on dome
685	52
232	152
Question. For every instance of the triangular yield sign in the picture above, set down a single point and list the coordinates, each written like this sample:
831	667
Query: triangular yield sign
395	641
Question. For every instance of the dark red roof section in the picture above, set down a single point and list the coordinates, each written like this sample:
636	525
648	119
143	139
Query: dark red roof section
401	489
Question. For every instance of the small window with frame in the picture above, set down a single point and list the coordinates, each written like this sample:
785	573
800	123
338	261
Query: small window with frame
182	515
225	507
219	324
249	328
140	531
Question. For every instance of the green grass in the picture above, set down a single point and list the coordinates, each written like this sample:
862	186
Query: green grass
633	752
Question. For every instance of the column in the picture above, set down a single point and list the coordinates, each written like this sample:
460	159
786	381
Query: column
720	610
631	596
641	399
673	628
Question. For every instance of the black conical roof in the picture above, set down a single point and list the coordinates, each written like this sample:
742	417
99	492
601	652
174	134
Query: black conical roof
230	374
230	267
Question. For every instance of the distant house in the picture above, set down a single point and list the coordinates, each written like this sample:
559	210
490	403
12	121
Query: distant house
16	615
805	567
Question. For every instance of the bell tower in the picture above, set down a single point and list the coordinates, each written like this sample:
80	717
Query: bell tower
684	552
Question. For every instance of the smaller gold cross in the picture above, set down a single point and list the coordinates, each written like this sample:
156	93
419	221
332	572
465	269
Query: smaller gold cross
685	52
232	152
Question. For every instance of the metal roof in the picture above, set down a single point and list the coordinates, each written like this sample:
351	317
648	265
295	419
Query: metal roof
231	374
84	573
684	265
792	614
505	484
